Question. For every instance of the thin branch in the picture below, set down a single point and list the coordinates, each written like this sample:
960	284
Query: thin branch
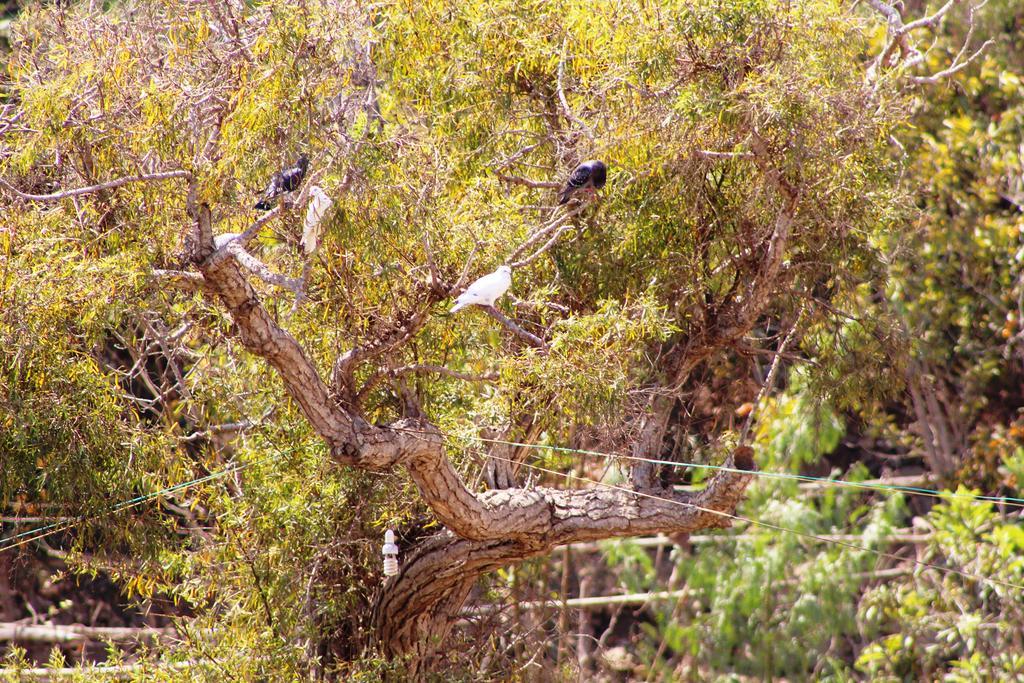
404	328
933	19
121	671
532	339
536	184
724	155
598	602
906	480
661	541
166	175
868	484
515	156
561	95
226	428
541	232
428	250
36	520
58	633
769	382
952	70
422	368
253	230
899	37
547	245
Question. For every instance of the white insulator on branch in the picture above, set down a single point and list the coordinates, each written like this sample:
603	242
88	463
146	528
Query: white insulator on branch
390	553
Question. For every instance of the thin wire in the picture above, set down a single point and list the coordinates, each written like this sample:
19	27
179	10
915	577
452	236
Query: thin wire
916	490
50	529
967	575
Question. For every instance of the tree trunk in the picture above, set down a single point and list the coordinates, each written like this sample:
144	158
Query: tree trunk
416	610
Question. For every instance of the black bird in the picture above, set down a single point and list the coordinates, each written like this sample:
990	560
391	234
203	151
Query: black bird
283	181
588	176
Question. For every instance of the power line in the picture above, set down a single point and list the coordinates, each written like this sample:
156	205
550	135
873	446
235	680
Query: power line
767	525
50	529
914	490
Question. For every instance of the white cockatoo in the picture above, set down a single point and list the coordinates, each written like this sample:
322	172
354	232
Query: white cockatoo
486	290
319	205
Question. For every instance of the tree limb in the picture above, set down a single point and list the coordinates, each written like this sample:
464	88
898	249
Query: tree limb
531	339
166	175
417	605
260	270
422	368
180	279
58	633
548	516
900	38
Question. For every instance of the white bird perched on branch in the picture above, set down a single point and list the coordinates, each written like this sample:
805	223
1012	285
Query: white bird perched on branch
486	290
319	205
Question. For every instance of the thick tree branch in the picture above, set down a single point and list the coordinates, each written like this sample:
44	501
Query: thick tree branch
648	445
547	516
180	279
420	604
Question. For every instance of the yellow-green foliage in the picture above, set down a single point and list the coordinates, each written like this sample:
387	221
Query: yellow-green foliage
414	116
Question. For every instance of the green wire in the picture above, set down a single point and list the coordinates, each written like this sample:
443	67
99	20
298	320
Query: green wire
10	542
772	475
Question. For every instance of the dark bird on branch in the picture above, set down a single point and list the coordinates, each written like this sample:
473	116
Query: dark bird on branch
588	177
284	181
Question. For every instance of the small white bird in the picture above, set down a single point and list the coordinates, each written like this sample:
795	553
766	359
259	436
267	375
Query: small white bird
486	290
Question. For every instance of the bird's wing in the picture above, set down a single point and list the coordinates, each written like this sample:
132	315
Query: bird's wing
291	177
579	177
273	189
492	282
276	185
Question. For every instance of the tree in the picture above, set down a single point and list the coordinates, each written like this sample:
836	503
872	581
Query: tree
750	188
